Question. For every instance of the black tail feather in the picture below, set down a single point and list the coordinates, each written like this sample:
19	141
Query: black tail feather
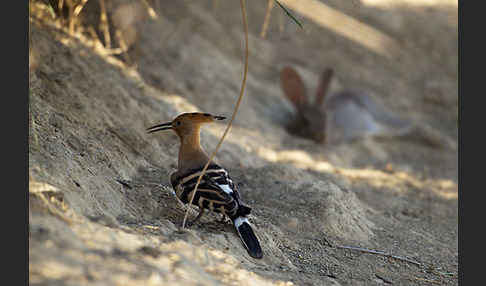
249	238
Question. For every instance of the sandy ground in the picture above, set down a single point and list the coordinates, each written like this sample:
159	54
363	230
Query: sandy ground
101	211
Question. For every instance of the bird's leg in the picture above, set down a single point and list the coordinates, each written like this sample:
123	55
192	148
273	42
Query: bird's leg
197	218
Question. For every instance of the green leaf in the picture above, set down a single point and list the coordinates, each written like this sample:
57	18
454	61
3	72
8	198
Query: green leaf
290	15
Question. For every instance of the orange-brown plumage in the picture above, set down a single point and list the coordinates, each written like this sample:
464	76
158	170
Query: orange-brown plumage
187	126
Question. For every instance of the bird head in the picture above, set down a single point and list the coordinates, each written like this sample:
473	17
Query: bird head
186	123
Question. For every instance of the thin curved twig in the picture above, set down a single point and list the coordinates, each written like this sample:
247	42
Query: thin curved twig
242	90
380	253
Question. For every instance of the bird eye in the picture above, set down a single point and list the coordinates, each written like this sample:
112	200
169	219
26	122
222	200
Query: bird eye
178	123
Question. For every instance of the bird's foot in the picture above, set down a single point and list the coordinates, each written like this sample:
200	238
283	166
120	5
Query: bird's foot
192	222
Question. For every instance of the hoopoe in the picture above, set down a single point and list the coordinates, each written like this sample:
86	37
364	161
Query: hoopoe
216	190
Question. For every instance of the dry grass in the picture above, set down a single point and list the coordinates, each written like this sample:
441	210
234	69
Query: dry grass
237	105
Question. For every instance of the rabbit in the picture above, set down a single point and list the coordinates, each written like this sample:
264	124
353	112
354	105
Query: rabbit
346	115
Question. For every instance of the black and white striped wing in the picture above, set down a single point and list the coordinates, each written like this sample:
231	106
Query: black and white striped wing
215	191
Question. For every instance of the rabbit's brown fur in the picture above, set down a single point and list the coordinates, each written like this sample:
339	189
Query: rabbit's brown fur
342	116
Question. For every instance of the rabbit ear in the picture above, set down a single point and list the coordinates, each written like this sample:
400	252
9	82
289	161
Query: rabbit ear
293	86
324	84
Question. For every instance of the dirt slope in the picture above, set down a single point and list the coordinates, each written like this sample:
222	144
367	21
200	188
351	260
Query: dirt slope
101	211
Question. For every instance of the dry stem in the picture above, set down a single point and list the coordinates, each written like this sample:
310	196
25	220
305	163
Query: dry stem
104	25
266	21
380	253
242	90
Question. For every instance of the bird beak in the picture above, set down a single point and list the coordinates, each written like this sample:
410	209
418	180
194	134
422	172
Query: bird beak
163	126
219	117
